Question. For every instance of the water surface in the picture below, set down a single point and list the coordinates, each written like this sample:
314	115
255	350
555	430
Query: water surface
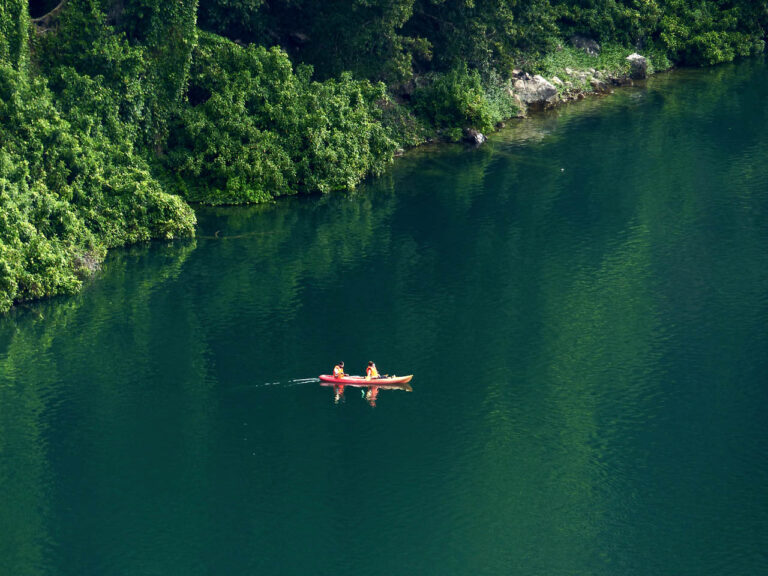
583	302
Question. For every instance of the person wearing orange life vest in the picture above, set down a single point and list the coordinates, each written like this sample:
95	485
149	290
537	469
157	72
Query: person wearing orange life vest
338	372
371	372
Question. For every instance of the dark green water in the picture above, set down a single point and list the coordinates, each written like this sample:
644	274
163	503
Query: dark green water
584	304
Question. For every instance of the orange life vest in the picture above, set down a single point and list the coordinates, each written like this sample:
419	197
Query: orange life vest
338	371
371	372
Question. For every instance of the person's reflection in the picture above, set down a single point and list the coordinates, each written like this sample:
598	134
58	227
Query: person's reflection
371	395
338	395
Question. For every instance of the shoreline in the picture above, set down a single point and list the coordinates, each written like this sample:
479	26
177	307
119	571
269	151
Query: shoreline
590	82
545	91
538	93
116	121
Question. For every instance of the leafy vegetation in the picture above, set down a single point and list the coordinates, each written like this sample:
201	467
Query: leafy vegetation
14	33
114	112
255	129
686	31
72	183
460	98
392	40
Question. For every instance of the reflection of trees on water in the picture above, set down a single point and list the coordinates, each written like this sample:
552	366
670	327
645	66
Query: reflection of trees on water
290	243
59	365
109	333
617	251
25	471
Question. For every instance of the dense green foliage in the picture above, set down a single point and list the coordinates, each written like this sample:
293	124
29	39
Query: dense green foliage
140	50
460	98
255	129
68	191
392	39
169	33
14	32
109	109
72	183
687	31
359	36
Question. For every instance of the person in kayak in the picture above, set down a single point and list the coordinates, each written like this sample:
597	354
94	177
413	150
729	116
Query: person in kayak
371	372
338	370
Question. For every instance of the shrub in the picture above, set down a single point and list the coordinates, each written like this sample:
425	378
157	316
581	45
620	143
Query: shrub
460	99
69	190
254	128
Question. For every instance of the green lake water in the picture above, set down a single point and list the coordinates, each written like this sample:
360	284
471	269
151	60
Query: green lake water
583	302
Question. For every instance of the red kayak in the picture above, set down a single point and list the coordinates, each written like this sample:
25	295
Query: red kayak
361	381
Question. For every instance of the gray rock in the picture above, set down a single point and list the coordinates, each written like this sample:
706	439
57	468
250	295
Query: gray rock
556	81
621	81
598	85
568	71
474	136
536	91
587	44
520	106
638	66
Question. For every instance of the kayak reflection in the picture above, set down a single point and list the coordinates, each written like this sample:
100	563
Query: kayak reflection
370	388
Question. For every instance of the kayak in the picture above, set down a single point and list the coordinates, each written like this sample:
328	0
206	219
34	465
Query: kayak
361	381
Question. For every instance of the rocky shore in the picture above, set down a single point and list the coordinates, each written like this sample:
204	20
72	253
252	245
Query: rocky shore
536	92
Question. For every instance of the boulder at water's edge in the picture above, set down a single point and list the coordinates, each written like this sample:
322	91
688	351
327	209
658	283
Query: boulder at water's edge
474	136
535	90
638	66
